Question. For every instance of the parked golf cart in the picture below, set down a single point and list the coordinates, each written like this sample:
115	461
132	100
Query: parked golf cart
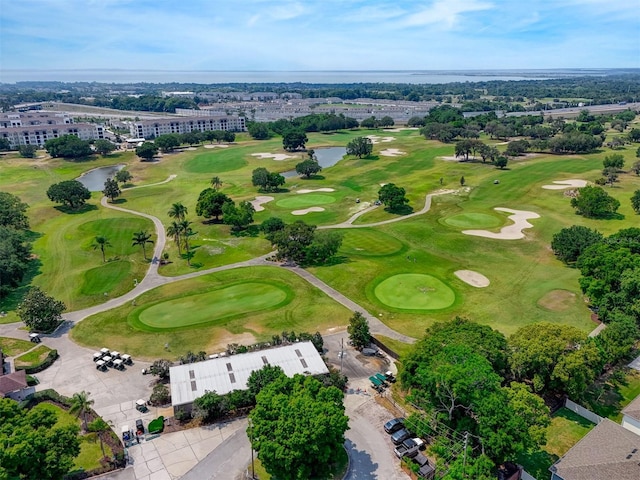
141	406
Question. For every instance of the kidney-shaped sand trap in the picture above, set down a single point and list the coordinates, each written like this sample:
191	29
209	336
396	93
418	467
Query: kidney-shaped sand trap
562	184
472	278
391	152
307	210
259	200
311	190
510	232
376	139
275	156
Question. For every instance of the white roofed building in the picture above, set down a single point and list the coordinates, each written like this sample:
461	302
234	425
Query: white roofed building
225	374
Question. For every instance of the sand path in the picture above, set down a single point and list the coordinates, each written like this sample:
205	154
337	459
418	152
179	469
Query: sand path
307	210
510	232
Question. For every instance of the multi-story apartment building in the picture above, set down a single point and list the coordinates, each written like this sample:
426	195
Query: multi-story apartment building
35	128
153	128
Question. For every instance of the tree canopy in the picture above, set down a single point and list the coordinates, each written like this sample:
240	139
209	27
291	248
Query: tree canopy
13	212
70	192
297	427
33	447
147	150
258	131
39	311
393	197
103	147
167	142
240	216
68	146
15	255
265	180
358	331
111	189
294	140
569	243
123	176
308	167
360	147
300	243
594	202
210	203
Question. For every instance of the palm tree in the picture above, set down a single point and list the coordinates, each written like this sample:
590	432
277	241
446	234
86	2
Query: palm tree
186	231
101	427
174	230
80	405
216	183
142	238
177	211
101	242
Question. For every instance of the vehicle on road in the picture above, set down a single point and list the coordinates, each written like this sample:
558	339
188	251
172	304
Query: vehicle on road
394	425
409	448
400	436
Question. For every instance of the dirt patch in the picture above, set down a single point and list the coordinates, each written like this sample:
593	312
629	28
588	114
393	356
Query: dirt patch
557	300
219	342
472	278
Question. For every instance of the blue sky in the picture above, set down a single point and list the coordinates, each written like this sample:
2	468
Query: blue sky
319	35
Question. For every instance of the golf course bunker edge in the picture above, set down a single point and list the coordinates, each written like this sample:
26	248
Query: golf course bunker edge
415	291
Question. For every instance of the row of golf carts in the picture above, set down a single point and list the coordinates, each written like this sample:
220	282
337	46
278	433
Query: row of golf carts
105	359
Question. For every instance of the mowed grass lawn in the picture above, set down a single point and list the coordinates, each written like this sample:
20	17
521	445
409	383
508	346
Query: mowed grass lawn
566	429
206	313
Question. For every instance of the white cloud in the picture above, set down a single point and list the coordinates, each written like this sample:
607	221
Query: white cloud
445	12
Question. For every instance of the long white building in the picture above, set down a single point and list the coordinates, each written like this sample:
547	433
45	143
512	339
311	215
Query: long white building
35	128
153	128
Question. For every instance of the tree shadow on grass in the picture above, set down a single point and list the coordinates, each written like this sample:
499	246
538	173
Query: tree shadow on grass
404	210
250	231
313	177
87	207
537	463
118	201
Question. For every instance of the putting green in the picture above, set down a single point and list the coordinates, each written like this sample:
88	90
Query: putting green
369	243
306	200
207	308
415	291
215	162
473	220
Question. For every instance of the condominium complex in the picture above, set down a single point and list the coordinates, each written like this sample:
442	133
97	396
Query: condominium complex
35	128
153	128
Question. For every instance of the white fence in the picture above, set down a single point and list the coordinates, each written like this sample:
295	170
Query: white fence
583	412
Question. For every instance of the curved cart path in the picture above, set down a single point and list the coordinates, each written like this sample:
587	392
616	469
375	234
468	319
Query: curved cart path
153	279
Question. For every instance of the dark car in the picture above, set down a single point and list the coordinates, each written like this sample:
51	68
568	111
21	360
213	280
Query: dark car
400	436
394	425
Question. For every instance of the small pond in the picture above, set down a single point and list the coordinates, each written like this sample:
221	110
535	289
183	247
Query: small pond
94	179
327	157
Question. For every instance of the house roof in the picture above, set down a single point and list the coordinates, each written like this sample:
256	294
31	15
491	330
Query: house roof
13	382
607	451
225	374
633	409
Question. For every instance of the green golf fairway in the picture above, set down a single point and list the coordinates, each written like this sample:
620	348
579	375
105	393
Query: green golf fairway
415	291
217	162
305	200
105	277
239	299
369	243
473	220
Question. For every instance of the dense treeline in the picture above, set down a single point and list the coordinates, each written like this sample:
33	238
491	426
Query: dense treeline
15	248
504	95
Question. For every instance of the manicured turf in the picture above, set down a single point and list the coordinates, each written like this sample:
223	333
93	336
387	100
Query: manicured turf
473	220
306	200
12	347
369	242
412	291
216	161
34	357
308	310
212	307
105	278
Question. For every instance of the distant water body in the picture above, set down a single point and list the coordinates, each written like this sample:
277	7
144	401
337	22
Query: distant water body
322	77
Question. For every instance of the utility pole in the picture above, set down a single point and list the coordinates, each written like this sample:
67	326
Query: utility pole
464	458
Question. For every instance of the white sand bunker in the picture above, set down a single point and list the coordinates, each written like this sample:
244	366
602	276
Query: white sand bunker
309	190
376	139
391	152
276	156
562	184
510	232
259	200
472	278
307	210
216	146
399	129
